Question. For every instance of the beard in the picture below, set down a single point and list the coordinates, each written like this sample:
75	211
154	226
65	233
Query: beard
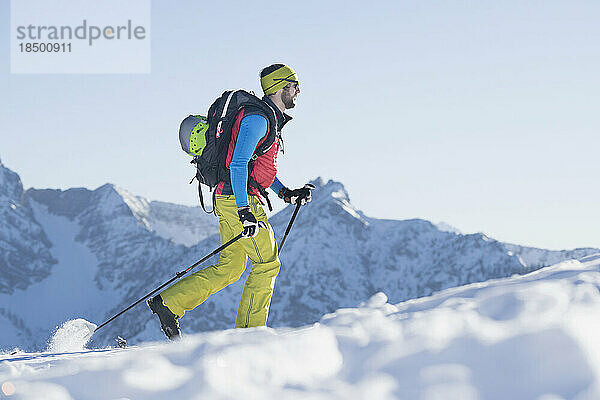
288	100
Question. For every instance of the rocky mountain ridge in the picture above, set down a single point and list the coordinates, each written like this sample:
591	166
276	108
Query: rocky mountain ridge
107	248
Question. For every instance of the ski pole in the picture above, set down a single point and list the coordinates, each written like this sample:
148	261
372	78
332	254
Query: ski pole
177	276
289	227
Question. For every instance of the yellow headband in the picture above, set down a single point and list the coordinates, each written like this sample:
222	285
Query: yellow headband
278	79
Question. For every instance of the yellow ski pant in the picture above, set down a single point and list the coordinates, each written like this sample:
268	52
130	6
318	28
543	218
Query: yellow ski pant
194	289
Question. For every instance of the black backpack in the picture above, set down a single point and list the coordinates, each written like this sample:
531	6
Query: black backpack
207	139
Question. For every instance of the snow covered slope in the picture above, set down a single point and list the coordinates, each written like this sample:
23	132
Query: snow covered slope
524	337
181	224
24	248
83	253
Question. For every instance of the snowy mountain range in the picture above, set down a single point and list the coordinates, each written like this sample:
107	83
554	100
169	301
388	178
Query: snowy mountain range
88	254
523	337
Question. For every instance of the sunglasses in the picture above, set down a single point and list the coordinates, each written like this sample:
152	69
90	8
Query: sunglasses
285	79
293	84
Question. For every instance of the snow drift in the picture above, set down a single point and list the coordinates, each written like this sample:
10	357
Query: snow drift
525	337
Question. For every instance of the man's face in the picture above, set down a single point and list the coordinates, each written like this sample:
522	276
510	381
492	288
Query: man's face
289	94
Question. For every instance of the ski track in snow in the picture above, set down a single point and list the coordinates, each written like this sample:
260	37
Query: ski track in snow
525	337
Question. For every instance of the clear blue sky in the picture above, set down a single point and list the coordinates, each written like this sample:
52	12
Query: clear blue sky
479	114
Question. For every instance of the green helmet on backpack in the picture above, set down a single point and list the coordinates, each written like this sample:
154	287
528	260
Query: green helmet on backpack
192	134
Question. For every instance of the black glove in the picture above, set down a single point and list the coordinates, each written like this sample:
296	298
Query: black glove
300	196
248	221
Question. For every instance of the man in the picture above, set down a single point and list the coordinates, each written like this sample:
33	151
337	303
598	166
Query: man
238	205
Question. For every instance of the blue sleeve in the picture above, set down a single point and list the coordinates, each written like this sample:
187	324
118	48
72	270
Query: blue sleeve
252	129
277	186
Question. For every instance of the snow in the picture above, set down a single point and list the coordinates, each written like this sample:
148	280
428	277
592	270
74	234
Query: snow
139	206
341	197
72	336
524	337
445	227
181	224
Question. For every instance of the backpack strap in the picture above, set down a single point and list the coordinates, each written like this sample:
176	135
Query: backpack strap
261	107
263	192
252	182
198	177
224	112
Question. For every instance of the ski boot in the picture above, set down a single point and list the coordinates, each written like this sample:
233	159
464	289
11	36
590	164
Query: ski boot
168	320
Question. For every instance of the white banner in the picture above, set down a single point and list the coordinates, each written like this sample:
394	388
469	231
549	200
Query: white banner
80	36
